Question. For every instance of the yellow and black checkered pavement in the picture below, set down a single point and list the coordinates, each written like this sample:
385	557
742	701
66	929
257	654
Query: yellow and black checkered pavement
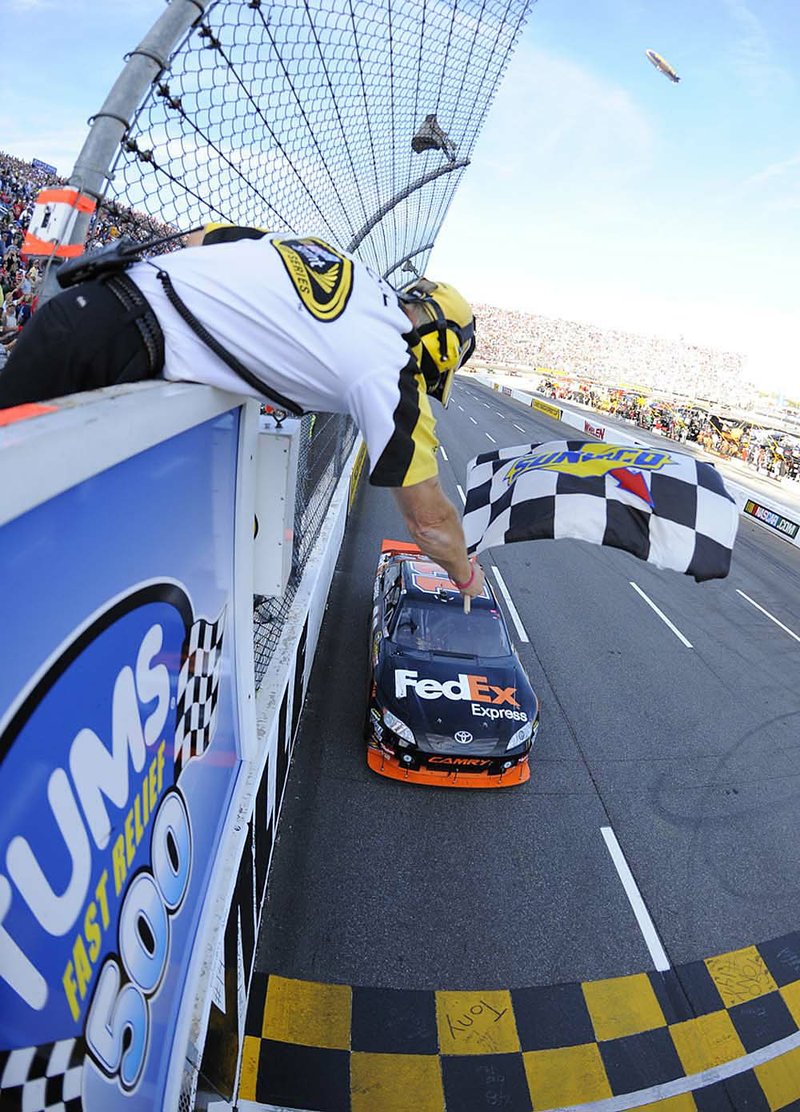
336	1048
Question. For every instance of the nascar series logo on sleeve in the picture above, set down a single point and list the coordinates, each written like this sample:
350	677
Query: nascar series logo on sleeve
96	842
322	276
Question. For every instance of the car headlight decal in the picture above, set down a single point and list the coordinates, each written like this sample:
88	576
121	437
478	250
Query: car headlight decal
397	726
522	734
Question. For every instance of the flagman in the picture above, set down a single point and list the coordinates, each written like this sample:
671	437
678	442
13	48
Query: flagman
288	319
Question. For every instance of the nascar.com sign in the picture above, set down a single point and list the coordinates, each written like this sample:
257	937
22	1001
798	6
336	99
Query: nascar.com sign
119	741
772	518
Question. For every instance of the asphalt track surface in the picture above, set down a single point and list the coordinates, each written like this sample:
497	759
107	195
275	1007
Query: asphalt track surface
678	742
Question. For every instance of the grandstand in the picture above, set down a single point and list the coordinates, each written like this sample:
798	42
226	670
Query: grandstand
510	338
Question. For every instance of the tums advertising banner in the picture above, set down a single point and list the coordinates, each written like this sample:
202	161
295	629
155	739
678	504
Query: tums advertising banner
120	747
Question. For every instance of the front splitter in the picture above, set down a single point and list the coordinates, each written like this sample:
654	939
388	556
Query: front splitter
394	770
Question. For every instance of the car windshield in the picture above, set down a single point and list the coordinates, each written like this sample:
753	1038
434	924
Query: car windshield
442	627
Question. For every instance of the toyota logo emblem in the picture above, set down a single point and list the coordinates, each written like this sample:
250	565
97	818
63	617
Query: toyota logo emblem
463	737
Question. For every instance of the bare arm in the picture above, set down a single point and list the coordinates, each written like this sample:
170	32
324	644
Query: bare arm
434	524
195	238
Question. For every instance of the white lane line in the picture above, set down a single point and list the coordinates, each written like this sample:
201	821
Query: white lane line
767	614
688	1084
444	453
499	414
523	636
657	953
661	615
461	492
490	438
473	420
460	407
518	427
487	405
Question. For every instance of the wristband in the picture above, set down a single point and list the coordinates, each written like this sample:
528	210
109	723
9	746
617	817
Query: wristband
463	586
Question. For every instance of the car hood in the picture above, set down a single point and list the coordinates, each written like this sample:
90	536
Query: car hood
456	704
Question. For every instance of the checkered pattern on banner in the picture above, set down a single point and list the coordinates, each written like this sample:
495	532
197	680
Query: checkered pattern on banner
43	1078
198	690
687	521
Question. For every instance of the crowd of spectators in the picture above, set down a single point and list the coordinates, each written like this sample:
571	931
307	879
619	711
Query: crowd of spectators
619	372
605	355
773	451
20	182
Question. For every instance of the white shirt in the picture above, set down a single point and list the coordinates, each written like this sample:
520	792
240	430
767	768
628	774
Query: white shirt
314	324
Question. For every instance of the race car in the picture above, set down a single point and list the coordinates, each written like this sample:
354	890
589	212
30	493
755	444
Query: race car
449	702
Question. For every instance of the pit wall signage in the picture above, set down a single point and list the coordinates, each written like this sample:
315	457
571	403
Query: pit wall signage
355	474
777	521
594	430
118	758
545	407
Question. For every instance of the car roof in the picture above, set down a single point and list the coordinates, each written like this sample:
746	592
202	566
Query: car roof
424	581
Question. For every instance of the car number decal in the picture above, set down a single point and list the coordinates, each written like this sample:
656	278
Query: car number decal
430	578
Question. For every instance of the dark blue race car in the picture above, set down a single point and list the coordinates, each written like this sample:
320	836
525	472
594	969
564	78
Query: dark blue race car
449	704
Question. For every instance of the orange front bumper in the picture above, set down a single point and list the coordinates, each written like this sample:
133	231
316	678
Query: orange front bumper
384	765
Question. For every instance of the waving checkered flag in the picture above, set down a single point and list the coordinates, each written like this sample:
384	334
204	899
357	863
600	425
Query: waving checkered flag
664	507
45	1078
198	691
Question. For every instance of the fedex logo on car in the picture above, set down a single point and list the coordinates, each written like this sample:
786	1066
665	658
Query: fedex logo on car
471	688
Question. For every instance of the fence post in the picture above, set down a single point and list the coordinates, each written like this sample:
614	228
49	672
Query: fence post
61	216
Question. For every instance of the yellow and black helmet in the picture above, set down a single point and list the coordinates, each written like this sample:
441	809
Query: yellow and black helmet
447	339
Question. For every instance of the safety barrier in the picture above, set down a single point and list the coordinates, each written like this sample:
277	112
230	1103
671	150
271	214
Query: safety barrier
142	773
778	519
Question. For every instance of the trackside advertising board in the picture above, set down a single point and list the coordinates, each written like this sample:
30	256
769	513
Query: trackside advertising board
772	518
120	748
545	407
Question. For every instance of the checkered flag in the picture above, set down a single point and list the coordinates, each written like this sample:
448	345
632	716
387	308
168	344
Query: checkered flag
198	691
45	1078
664	507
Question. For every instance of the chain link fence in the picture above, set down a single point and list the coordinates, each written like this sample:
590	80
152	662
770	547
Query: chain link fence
350	119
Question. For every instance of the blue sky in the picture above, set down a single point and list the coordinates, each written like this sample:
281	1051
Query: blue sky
598	191
601	191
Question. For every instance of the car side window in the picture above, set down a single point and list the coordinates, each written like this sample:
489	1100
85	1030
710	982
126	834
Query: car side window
391	595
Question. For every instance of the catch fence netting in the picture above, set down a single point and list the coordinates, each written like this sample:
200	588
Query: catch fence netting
352	120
